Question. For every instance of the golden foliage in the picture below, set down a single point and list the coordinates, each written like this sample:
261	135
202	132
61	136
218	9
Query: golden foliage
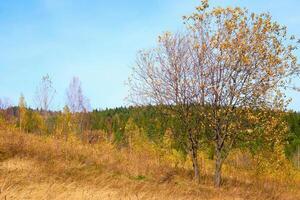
35	167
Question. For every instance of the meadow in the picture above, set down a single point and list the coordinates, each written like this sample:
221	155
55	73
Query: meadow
43	167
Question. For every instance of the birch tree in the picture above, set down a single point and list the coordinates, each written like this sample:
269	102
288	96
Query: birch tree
44	94
78	104
76	101
22	112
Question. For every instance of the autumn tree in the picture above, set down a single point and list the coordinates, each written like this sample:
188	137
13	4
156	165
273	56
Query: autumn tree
78	103
64	123
33	122
5	103
221	76
134	136
249	62
44	94
22	112
167	77
5	111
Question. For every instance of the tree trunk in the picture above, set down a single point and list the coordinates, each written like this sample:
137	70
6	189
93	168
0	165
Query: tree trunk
195	165
218	169
194	155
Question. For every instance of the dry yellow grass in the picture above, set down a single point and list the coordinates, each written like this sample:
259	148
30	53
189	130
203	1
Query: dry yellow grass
36	167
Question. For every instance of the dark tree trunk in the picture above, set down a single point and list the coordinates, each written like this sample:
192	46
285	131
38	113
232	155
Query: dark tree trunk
218	168
195	165
194	155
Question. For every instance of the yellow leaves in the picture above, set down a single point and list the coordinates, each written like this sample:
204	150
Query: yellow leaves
165	36
235	13
200	8
294	59
167	139
203	6
252	118
272	163
217	11
267	25
202	46
135	136
257	26
230	25
224	45
196	46
245	59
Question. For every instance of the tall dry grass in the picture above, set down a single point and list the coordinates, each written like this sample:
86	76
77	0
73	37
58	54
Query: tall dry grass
40	167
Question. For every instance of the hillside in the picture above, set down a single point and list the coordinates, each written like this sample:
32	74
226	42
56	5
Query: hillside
39	167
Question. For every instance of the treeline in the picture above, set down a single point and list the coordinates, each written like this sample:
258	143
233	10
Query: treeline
111	121
112	124
292	149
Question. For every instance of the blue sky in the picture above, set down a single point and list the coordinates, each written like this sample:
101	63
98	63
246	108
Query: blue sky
97	41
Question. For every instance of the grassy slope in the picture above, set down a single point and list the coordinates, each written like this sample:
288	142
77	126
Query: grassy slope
34	167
